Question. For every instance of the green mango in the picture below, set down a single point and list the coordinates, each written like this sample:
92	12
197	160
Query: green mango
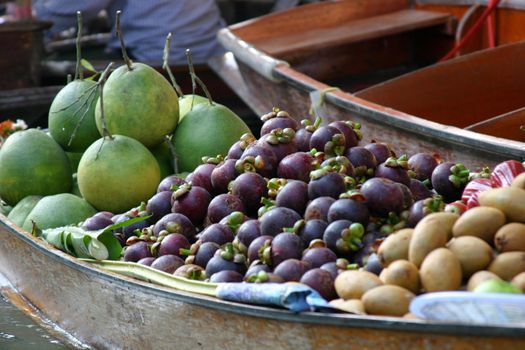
75	189
74	158
162	154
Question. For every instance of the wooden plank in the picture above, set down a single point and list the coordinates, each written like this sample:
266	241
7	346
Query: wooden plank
506	125
325	14
353	31
459	92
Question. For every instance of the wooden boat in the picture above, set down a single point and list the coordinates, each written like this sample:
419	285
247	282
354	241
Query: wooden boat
279	59
110	311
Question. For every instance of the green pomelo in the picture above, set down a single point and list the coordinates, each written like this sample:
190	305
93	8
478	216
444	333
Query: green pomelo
117	174
140	104
497	286
164	157
207	130
74	159
59	210
22	209
185	104
74	104
32	163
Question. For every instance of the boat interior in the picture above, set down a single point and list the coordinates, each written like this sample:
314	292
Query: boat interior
386	51
482	92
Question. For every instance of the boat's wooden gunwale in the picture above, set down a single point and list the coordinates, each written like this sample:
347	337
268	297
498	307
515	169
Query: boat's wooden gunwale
10	231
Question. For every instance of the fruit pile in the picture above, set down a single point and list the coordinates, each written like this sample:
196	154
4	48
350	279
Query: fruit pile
304	202
136	111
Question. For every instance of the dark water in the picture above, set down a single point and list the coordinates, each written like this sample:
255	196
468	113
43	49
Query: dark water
19	331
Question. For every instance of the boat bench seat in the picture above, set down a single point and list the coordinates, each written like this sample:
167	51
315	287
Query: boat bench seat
353	31
507	125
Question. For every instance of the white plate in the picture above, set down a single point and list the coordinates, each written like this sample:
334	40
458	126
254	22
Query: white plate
468	307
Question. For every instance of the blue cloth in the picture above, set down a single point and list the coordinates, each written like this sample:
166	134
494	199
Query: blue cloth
145	24
295	297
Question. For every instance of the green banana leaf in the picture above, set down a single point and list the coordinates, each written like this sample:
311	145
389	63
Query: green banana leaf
74	240
4	208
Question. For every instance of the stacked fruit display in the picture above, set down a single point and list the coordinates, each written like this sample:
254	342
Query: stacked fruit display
305	202
136	111
274	210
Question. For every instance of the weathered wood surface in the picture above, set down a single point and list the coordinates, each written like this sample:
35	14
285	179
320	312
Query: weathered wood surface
331	40
327	14
313	38
459	92
109	311
29	104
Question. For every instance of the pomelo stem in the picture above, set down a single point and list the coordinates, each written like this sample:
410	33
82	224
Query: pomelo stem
195	78
101	82
173	154
79	74
69	78
166	65
121	39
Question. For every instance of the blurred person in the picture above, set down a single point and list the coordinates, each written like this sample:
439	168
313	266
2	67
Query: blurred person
145	24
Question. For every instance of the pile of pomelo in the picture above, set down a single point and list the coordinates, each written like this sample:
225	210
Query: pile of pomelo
108	143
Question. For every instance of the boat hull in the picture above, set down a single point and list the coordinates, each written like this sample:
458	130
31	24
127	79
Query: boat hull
109	311
406	133
270	78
